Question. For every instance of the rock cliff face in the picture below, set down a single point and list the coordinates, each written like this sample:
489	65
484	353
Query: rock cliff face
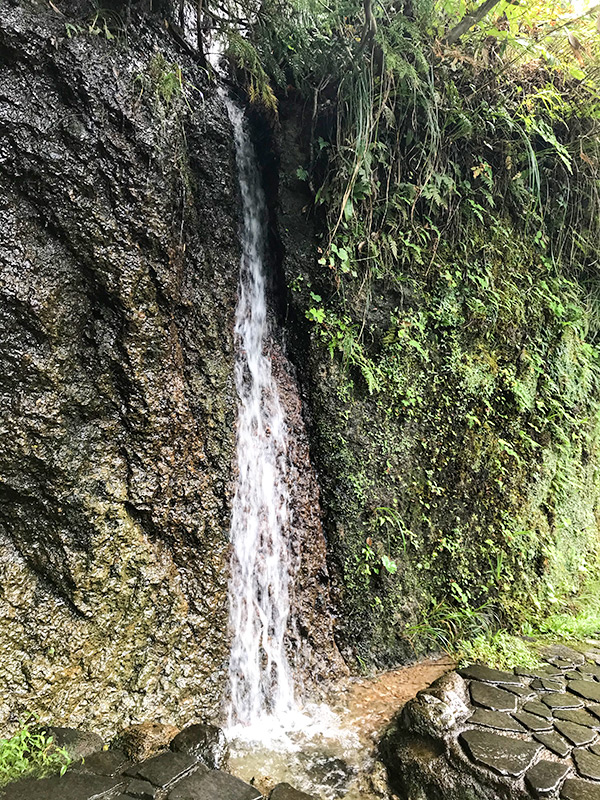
118	272
119	257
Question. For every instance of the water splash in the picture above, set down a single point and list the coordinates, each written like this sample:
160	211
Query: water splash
260	679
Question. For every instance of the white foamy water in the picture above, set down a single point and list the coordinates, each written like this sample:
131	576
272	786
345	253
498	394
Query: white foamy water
260	679
273	737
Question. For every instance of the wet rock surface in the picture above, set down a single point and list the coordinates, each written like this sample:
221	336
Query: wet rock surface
204	743
547	747
118	273
78	744
283	791
108	775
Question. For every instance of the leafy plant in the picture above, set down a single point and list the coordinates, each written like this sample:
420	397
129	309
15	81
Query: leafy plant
31	752
499	650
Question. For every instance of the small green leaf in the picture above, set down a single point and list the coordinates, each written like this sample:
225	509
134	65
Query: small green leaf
389	565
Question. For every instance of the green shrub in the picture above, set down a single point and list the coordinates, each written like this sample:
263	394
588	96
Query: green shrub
30	753
499	650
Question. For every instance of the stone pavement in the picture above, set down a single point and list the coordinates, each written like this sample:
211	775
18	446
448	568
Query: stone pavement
109	775
482	733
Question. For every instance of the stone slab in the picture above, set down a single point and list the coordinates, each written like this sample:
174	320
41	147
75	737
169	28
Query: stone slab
478	672
545	671
503	754
578	735
141	790
495	719
106	762
545	777
520	691
579	716
593	708
588	764
213	785
488	696
163	769
548	685
283	791
533	722
595	749
576	789
560	652
554	743
72	786
590	690
535	707
561	700
590	669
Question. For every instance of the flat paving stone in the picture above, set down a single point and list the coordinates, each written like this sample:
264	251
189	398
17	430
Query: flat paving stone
548	685
163	769
576	734
141	790
590	690
213	785
533	722
106	762
554	743
545	777
575	789
588	764
72	786
520	691
561	652
488	696
478	672
579	716
561	700
495	719
535	707
545	671
590	669
561	663
595	749
283	791
503	754
593	708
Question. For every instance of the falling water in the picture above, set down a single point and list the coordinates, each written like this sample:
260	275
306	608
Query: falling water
259	606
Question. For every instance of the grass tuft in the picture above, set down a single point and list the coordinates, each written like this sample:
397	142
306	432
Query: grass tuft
31	753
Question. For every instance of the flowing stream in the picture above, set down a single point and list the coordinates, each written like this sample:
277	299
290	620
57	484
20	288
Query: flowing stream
260	677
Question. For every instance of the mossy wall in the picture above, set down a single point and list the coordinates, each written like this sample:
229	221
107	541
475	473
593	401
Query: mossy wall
454	415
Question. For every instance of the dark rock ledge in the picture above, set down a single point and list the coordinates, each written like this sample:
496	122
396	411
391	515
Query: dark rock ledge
192	769
483	734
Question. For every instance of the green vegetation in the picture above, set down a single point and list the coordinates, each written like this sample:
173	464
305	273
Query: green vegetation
163	80
580	622
500	650
452	307
30	753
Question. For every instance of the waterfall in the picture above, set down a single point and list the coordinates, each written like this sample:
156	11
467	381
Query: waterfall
259	605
